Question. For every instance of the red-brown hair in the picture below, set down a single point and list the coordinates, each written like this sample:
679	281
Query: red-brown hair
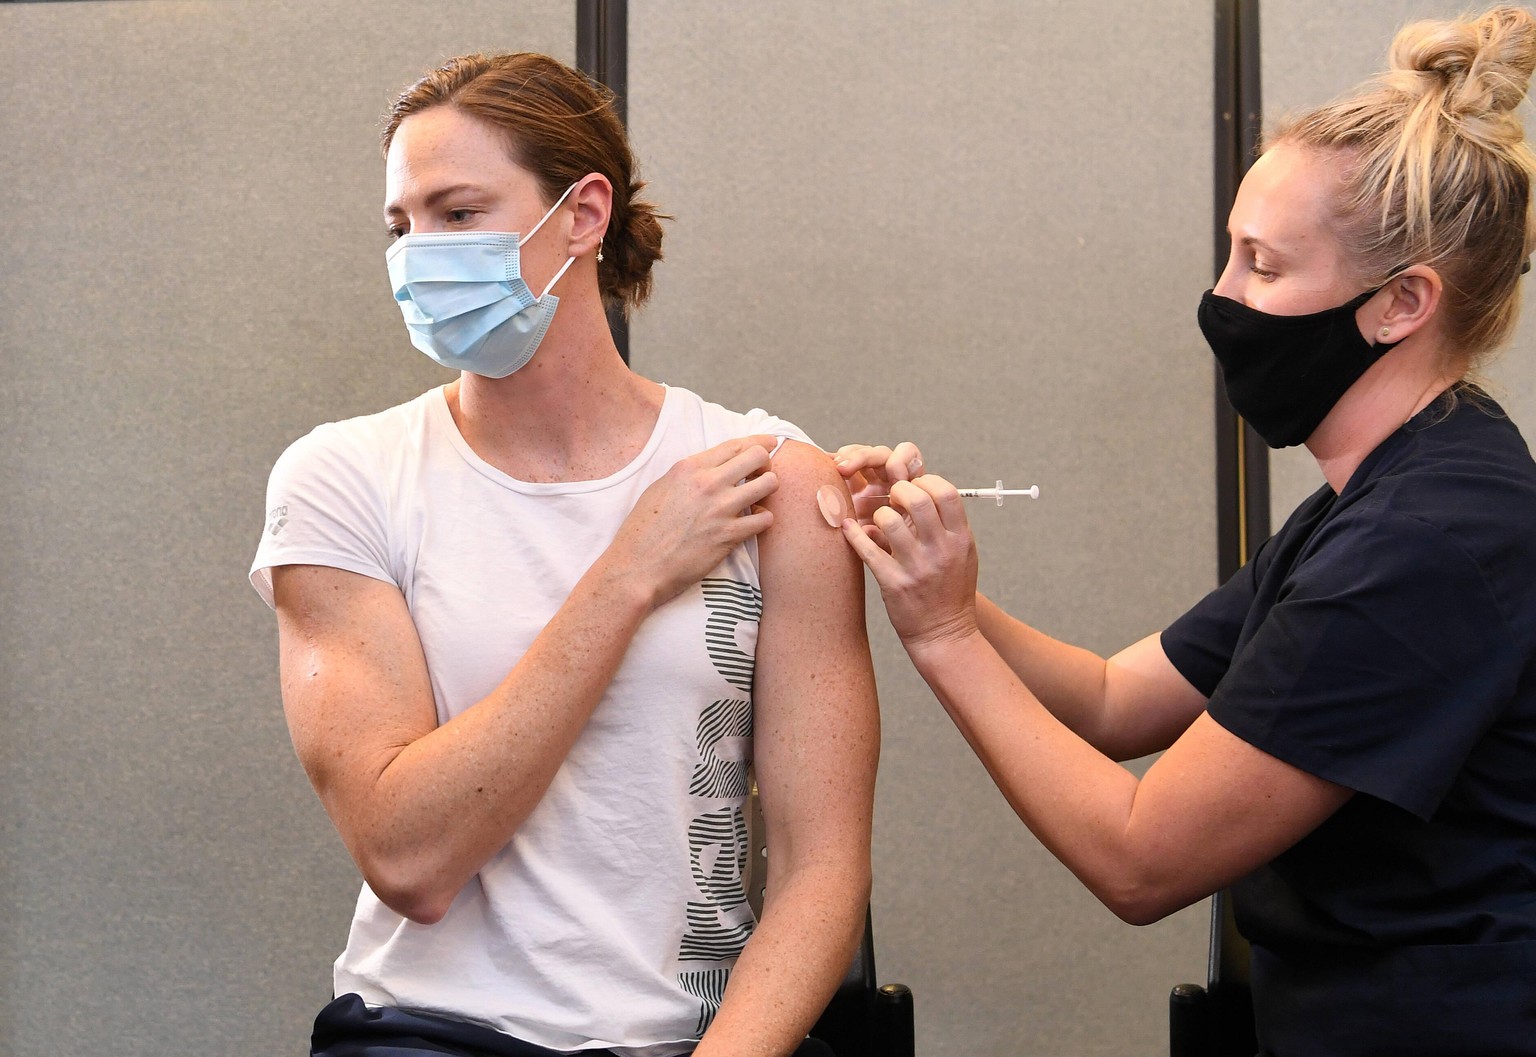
560	126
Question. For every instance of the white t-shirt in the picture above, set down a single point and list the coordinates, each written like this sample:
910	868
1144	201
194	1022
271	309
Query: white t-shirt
614	915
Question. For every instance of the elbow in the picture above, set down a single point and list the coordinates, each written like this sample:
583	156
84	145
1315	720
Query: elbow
419	896
1143	900
420	909
1139	911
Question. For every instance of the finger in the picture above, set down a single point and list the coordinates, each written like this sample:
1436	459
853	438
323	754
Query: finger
767	441
750	524
751	459
853	458
876	535
904	543
947	501
880	563
895	529
758	446
917	504
755	489
904	462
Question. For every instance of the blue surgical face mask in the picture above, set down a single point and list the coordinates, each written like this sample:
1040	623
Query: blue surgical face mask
464	299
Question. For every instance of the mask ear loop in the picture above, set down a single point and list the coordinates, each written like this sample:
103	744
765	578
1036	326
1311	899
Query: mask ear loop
568	262
522	239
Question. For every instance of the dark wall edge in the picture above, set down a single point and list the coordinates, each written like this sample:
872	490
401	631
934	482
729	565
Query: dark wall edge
1242	458
602	53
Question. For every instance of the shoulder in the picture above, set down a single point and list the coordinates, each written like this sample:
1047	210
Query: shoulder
355	445
802	470
717	423
800	544
1465	497
800	463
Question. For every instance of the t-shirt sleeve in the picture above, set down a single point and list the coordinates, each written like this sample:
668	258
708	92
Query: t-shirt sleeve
759	421
1382	662
1200	643
324	507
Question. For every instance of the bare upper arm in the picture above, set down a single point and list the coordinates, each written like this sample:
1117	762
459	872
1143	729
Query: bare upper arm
817	721
1213	808
354	682
1147	702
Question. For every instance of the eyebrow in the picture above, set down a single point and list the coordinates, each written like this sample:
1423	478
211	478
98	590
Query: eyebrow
395	209
1252	243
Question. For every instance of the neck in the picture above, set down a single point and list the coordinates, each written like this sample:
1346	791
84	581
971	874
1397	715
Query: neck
1397	387
574	412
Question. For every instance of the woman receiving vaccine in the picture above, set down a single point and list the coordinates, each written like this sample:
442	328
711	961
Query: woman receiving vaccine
1348	726
537	624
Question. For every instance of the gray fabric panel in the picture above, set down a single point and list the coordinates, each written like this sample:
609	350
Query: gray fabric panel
984	227
1312	52
193	276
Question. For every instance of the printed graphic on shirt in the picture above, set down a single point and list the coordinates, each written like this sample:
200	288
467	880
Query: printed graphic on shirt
730	603
718	926
709	988
720	921
715	775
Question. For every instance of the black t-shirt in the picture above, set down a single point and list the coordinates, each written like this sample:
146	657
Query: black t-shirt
1385	639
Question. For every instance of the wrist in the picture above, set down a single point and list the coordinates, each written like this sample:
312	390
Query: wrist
618	586
955	642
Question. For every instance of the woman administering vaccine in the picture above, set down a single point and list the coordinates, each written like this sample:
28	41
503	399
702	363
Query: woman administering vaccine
537	623
1348	726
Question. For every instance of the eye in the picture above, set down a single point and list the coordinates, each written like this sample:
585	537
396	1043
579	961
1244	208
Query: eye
1263	273
459	216
393	231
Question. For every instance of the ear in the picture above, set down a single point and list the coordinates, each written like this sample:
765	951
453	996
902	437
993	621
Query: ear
1415	294
592	206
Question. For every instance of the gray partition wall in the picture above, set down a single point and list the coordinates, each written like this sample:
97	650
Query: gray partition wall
193	276
1314	50
985	227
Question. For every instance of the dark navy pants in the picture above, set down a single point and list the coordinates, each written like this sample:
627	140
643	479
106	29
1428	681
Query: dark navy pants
348	1028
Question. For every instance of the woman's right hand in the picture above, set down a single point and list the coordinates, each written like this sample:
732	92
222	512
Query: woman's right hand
687	521
924	560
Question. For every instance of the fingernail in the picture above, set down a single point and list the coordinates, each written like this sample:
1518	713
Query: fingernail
915	467
834	508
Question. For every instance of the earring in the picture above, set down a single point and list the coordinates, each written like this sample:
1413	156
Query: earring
1386	332
599	256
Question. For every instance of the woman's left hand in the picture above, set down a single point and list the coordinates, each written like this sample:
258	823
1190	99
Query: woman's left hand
926	567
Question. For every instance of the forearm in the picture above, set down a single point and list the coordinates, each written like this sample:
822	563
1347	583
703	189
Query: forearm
452	798
801	950
1067	680
1079	803
1132	704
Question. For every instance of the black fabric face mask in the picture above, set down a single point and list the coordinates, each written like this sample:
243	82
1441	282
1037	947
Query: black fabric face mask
1285	373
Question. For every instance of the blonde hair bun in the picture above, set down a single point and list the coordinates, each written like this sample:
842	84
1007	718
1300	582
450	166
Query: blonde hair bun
1480	66
1434	169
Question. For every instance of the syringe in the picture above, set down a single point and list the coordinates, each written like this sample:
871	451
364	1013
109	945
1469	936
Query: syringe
1033	491
833	500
